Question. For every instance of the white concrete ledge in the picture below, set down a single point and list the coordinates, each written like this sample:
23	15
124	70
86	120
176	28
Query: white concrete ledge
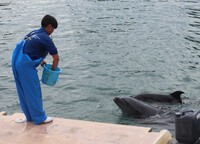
66	131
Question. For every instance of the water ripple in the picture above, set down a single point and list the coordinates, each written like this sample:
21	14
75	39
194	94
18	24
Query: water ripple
108	48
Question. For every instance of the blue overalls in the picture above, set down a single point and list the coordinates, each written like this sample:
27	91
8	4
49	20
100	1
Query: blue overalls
28	84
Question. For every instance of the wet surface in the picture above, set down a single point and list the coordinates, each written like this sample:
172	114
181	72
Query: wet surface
64	131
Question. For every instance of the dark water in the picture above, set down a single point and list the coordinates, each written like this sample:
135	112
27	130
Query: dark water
108	48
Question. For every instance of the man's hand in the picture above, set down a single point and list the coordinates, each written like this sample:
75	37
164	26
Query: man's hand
43	63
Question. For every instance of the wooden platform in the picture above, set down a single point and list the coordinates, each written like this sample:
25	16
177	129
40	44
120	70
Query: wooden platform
67	131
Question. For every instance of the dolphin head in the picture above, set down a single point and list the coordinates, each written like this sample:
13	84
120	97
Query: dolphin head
134	107
125	106
177	96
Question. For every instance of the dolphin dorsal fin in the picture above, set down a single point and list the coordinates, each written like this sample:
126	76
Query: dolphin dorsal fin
177	95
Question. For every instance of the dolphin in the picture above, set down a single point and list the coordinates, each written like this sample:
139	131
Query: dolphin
172	98
134	107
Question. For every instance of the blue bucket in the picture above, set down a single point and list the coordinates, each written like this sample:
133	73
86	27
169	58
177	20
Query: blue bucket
50	77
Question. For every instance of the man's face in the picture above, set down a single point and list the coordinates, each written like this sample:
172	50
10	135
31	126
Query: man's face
50	29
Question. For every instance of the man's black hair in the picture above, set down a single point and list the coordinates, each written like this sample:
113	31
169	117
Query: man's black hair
47	19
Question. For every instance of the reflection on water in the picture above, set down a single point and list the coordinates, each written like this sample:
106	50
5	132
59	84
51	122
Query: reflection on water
108	48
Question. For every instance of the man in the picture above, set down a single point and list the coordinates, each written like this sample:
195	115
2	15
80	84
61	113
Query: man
27	56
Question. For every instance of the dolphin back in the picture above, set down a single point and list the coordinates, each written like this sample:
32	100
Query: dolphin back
161	98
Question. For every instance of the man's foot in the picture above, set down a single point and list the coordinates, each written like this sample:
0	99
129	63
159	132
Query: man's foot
49	119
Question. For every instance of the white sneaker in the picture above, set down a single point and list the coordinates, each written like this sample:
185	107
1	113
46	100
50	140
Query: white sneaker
49	119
